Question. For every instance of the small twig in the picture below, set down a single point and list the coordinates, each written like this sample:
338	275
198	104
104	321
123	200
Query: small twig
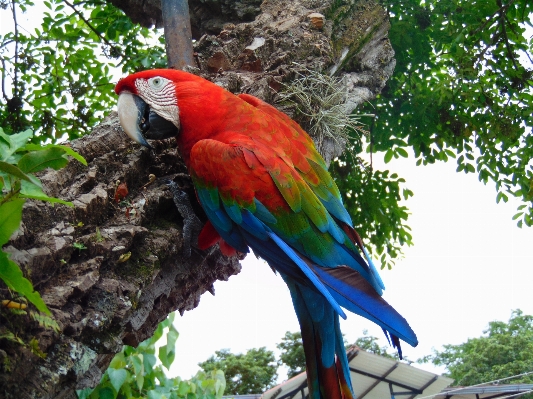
79	14
3	79
15	80
504	32
6	43
502	8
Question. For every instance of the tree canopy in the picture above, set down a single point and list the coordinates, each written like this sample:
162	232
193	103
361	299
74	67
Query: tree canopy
58	79
292	353
462	89
252	372
503	351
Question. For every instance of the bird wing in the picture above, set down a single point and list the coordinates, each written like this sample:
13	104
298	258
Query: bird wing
254	198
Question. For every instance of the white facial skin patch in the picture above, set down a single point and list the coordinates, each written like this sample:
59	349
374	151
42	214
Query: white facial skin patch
159	93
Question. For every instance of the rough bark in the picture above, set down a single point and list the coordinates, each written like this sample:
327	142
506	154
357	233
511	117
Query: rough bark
101	302
345	39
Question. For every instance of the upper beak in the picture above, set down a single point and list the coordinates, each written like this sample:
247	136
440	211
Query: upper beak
131	110
140	122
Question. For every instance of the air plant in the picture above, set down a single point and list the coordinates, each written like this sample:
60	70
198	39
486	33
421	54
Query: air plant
320	104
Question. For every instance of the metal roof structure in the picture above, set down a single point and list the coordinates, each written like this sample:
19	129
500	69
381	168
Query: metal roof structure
373	377
485	391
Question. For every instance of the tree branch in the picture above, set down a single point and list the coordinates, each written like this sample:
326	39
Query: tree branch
178	35
504	32
502	8
15	80
102	38
3	80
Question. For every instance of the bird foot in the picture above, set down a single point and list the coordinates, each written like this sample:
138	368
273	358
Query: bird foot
191	224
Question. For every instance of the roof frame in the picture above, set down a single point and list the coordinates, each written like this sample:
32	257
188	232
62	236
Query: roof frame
412	390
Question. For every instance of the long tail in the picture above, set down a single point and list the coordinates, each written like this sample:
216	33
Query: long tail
318	294
339	285
328	375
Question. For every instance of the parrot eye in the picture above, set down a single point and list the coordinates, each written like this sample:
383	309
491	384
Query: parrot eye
157	83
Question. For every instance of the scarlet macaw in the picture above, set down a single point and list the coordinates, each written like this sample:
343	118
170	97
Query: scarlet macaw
264	186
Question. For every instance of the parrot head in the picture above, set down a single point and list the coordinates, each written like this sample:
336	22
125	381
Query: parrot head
148	106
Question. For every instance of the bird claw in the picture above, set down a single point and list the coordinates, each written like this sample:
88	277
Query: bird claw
191	224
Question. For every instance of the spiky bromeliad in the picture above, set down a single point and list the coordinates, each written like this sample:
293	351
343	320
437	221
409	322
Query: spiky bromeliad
264	186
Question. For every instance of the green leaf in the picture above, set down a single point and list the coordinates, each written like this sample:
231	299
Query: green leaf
118	361
106	393
14	171
154	395
163	356
117	377
388	155
84	393
149	361
38	160
138	368
10	217
401	152
67	149
9	144
12	276
184	388
167	353
30	190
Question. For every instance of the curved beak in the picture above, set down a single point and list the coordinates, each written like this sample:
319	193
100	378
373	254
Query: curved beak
131	110
140	122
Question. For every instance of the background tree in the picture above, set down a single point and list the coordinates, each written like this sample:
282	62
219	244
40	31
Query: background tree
292	353
252	372
462	89
503	351
370	344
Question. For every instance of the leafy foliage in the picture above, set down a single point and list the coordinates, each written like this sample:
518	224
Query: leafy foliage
18	161
462	89
61	73
252	372
372	198
292	353
504	350
134	373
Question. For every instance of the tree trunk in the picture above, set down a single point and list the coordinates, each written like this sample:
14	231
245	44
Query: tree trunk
131	273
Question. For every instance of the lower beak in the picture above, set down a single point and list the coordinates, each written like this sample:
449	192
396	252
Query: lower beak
140	122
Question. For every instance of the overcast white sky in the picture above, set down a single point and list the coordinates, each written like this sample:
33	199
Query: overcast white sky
470	265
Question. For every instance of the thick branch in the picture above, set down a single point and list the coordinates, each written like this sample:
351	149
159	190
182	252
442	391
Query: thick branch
99	301
178	36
